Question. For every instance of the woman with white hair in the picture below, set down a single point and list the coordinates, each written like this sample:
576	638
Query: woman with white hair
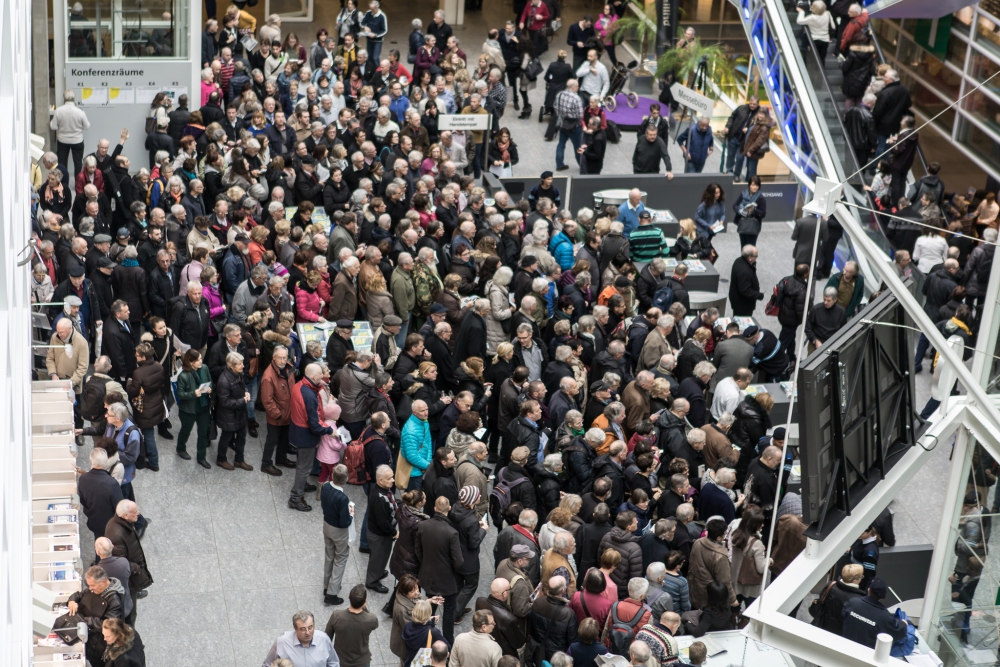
501	310
820	23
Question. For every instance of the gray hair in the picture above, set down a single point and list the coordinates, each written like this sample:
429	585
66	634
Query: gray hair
565	383
562	540
703	368
748	251
725	476
417	24
892	75
637	587
695	435
639	650
97	574
350	262
302	616
552	461
868	99
233	358
524	328
481	305
563	352
98	455
830	291
657	569
528	518
119	410
726	419
560	659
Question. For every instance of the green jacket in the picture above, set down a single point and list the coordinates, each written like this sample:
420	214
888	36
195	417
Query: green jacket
859	292
187	382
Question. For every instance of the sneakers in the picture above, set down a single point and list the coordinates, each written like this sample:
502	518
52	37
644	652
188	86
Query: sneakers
299	504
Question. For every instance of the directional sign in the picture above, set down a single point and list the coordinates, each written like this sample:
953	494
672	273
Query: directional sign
692	99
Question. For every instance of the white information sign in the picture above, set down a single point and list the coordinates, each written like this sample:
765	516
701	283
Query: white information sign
464	122
692	99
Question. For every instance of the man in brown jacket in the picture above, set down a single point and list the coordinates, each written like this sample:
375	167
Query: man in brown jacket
67	359
344	299
656	344
276	394
556	564
515	571
710	562
717	442
636	401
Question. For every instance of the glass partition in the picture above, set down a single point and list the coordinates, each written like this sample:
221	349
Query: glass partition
118	29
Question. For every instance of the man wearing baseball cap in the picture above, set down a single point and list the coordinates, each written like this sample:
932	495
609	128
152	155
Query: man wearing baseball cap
471	533
866	617
515	570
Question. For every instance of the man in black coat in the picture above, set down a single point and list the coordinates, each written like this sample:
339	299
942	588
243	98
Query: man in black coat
162	287
892	104
793	307
589	536
506	626
861	133
382	527
439	479
470	536
553	623
612	466
212	111
90	311
280	136
525	432
307	187
438	346
100	599
471	340
825	319
159	141
122	533
119	345
612	360
865	618
744	287
438	548
100	278
339	345
118	185
180	116
99	492
189	318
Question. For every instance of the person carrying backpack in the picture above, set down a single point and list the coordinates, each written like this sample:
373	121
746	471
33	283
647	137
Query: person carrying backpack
626	618
513	484
95	387
858	30
791	301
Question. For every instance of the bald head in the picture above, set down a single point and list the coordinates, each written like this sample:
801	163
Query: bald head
499	587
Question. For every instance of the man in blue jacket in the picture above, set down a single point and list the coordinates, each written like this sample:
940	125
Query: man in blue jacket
235	267
697	144
374	25
865	617
628	212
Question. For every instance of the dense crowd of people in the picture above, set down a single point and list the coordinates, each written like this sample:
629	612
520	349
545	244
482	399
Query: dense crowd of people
530	370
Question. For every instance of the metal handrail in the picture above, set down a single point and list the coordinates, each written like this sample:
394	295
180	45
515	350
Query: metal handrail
881	57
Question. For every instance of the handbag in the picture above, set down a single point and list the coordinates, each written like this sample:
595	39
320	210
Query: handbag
818	605
533	70
403	470
218	323
749	576
423	656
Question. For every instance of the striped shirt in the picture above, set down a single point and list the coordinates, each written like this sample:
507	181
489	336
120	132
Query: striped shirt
677	586
647	243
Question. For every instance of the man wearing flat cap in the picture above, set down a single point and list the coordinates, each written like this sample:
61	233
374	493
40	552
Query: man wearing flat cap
438	314
78	286
101	248
384	343
769	357
100	278
339	345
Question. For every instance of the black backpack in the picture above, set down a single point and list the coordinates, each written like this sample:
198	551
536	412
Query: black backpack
92	398
622	633
664	297
500	496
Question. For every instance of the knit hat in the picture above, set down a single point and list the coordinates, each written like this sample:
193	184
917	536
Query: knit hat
468	495
779	434
528	260
622	281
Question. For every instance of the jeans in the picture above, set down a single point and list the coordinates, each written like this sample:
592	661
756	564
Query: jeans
188	422
363	538
692	167
152	455
63	150
337	551
734	157
918	359
276	445
374	50
880	147
467	585
751	167
253	387
575	136
477	161
303	465
416	482
239	441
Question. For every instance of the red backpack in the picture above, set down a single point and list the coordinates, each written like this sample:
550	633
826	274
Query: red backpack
354	459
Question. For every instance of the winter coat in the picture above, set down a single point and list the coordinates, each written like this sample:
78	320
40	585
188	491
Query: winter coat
126	545
831	619
553	624
803	234
470	537
354	385
404	558
415	445
860	129
99	495
439	481
379	306
187	383
756	138
626	544
744	286
344	301
892	104
230	406
709	562
415	637
190	323
438	548
752	423
750	224
758	553
523	434
499	313
859	292
858	69
794	302
508	631
578	462
147	379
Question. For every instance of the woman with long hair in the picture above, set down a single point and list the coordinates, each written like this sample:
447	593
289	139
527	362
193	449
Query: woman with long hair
124	647
711	210
750	209
691	243
502	154
294	49
404	560
749	556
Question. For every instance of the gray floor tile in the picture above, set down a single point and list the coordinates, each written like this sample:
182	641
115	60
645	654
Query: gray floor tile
193	650
236	532
176	616
175	575
250	496
254	570
251	647
305	566
178	501
270	608
179	472
170	537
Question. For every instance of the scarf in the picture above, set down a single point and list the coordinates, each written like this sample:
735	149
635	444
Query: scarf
130	262
50	192
504	151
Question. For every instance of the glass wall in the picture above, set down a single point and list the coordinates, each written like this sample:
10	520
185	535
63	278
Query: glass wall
966	615
127	29
971	57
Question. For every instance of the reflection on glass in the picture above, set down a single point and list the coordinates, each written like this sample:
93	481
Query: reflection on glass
127	29
988	33
982	144
929	69
964	15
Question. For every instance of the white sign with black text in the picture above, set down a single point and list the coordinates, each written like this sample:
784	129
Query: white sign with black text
464	121
692	99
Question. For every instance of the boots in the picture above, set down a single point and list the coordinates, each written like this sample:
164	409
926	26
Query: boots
526	113
517	105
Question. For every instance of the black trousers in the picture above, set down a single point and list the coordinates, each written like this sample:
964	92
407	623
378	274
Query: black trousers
381	549
447	614
829	248
63	151
277	440
787	339
238	439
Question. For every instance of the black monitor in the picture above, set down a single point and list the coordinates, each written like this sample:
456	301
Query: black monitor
858	415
